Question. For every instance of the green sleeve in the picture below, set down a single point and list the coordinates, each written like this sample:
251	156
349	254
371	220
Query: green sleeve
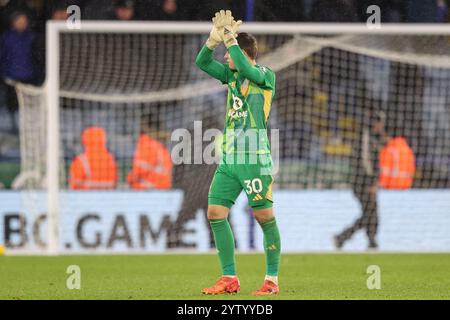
212	67
255	74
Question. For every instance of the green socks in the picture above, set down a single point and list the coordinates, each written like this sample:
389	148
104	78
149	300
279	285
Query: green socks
272	246
223	236
224	240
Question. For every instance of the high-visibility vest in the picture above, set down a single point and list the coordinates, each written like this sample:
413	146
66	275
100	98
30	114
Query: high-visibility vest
152	165
397	164
96	168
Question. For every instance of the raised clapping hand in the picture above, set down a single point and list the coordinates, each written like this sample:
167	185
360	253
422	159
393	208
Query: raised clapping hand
224	29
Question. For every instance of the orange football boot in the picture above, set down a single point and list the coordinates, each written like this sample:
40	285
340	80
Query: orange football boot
223	286
268	288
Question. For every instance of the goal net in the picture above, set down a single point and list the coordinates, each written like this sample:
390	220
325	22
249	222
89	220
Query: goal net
334	88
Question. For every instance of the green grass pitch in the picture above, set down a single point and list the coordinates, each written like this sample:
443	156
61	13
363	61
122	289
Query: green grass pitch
181	277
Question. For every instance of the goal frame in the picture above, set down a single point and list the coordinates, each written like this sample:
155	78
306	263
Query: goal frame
52	89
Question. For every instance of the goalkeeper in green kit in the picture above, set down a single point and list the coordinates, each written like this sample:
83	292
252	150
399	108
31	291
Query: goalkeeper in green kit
250	92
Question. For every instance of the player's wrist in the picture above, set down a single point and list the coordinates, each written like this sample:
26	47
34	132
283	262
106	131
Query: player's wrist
229	38
211	44
214	38
230	42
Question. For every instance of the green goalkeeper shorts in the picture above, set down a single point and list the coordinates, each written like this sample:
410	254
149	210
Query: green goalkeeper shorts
230	179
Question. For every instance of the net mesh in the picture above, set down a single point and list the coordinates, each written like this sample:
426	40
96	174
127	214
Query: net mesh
329	94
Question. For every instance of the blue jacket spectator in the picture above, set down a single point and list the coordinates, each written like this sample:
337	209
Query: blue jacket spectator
8	8
442	14
16	51
17	47
423	11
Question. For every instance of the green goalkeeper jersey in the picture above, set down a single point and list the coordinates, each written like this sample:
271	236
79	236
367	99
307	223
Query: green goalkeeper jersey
250	92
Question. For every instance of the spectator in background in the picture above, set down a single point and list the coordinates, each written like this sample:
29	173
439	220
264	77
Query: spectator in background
57	9
17	59
124	10
98	10
167	10
95	168
442	12
27	7
152	163
391	10
170	10
59	14
397	164
334	11
422	11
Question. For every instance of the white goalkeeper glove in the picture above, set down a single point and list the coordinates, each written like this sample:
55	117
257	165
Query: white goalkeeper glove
221	20
215	37
227	27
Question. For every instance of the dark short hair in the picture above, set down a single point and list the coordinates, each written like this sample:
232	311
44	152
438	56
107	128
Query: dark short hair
129	4
16	14
248	43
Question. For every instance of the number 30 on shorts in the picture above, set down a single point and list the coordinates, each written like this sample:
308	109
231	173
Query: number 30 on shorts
253	186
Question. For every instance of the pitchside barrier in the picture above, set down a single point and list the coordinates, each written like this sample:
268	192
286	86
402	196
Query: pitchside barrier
138	222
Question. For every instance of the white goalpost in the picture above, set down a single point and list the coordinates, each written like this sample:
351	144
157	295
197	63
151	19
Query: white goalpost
112	74
52	92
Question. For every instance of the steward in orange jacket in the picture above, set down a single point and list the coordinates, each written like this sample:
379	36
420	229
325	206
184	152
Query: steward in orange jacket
397	164
152	165
95	168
